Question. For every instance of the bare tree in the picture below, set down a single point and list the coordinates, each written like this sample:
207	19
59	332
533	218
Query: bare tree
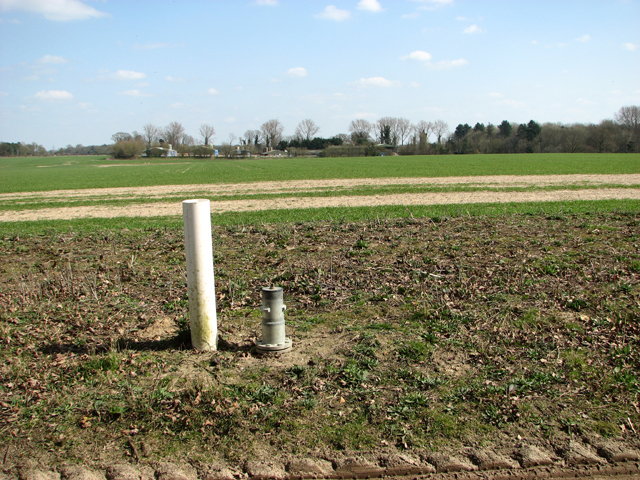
306	130
360	130
629	118
440	129
173	133
251	137
121	137
386	127
207	132
151	134
424	129
232	138
403	129
272	132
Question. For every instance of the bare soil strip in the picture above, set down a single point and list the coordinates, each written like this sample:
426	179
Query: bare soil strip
309	185
175	208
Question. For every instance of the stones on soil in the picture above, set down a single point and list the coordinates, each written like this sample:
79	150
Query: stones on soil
617	452
532	456
310	468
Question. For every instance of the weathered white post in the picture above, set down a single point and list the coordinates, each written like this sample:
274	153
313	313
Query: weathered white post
200	279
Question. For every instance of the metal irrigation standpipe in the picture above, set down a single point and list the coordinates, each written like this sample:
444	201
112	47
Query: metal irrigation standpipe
201	285
273	330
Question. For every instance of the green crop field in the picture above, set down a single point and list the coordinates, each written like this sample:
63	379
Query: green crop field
57	173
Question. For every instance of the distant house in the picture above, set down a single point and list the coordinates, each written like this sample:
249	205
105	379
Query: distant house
160	152
275	153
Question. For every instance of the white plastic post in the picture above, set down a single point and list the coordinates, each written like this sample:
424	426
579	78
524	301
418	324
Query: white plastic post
200	279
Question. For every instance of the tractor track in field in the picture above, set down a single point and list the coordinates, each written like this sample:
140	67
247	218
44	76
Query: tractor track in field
594	187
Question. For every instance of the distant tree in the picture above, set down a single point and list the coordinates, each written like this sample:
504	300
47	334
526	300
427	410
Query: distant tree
573	138
251	137
423	128
272	132
403	129
128	148
387	130
360	130
207	132
629	118
479	127
173	133
306	130
151	134
118	137
461	131
440	129
505	129
345	138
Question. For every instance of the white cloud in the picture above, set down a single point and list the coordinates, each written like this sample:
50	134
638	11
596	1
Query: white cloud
631	46
425	58
331	12
230	120
473	29
418	55
297	72
432	4
410	16
369	5
31	78
583	38
415	85
56	10
213	91
135	93
127	75
446	64
169	78
53	95
52	59
267	3
85	105
4	94
584	101
496	95
376	82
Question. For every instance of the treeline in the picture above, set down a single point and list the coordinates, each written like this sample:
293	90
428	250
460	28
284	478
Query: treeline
384	136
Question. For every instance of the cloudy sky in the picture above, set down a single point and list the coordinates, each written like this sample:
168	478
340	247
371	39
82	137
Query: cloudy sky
76	72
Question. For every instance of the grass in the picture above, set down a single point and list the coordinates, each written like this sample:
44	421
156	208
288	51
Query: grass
451	331
337	215
31	174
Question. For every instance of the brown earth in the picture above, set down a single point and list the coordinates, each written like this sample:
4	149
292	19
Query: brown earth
335	185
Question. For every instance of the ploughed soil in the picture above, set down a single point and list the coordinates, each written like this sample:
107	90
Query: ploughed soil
579	187
419	345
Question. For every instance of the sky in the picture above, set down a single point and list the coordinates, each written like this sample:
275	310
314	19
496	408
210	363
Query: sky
76	72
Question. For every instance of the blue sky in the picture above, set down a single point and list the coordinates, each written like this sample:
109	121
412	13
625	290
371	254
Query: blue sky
76	72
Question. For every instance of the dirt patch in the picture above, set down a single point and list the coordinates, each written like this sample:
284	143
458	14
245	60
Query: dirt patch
306	186
418	345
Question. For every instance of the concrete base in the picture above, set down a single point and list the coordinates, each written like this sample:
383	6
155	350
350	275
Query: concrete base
277	347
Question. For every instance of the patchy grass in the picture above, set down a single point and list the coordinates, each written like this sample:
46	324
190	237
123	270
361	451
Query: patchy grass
31	174
408	334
